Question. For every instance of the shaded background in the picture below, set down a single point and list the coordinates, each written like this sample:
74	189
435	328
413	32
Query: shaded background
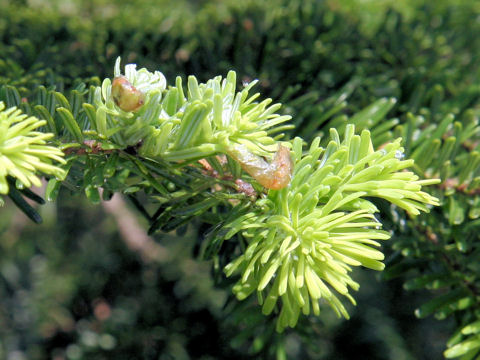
89	284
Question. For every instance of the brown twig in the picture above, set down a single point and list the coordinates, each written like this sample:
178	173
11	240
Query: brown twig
242	186
90	147
452	184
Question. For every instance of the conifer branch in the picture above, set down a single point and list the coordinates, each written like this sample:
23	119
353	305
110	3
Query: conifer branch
305	231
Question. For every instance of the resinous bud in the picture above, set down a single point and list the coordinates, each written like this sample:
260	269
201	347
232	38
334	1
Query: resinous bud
126	96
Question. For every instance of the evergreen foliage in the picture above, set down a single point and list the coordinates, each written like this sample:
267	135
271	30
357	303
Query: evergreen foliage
369	102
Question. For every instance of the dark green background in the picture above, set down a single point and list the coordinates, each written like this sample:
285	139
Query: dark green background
58	277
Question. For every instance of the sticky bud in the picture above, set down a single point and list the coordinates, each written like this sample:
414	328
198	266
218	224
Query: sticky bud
275	175
126	96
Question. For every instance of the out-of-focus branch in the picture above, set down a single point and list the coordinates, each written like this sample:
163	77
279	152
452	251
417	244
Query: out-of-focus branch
132	232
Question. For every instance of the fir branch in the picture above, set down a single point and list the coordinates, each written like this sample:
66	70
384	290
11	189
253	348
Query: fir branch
24	152
210	118
304	239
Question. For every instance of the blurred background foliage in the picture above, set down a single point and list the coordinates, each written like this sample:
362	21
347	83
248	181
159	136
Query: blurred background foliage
76	287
